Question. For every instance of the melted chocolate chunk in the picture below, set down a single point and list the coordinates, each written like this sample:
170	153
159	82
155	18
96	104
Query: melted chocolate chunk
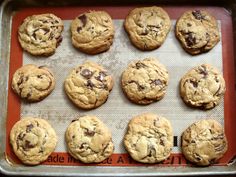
140	65
140	87
194	83
89	132
59	39
203	71
90	84
101	76
86	73
162	142
152	152
198	15
21	80
83	19
190	39
79	29
82	146
189	24
156	82
30	126
28	145
197	157
21	136
46	30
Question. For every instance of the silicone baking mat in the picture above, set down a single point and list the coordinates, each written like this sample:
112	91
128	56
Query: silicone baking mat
118	110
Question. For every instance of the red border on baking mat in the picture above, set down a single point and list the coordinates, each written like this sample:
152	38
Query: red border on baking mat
120	12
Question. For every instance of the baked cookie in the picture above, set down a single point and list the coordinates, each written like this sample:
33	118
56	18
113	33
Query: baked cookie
88	85
40	34
33	83
145	81
149	138
147	27
92	32
202	86
197	31
204	142
33	140
91	142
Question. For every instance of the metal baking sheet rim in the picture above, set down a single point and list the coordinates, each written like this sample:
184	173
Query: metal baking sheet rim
9	169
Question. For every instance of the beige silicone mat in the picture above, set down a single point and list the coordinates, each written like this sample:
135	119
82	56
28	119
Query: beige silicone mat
117	111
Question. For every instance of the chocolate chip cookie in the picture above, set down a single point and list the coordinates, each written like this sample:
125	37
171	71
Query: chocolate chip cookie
88	85
145	81
197	31
89	140
40	34
33	140
149	138
204	142
147	27
92	32
203	87
33	83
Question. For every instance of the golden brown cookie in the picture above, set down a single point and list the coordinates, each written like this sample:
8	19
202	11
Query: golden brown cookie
197	31
92	32
145	81
91	142
33	140
149	138
33	83
204	142
147	27
203	87
40	34
88	85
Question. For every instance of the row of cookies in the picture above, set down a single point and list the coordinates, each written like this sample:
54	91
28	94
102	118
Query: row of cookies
93	32
143	82
149	139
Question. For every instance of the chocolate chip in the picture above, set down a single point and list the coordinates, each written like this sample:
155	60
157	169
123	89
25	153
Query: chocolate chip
203	71
86	73
46	30
21	136
79	29
197	157
101	76
162	142
156	82
73	136
89	132
28	145
194	83
140	65
198	15
90	84
83	19
39	76
152	151
20	81
30	126
82	146
51	36
145	32
189	24
190	39
59	39
41	150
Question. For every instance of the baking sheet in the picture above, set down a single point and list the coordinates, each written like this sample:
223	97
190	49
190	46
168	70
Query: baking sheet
65	116
118	110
